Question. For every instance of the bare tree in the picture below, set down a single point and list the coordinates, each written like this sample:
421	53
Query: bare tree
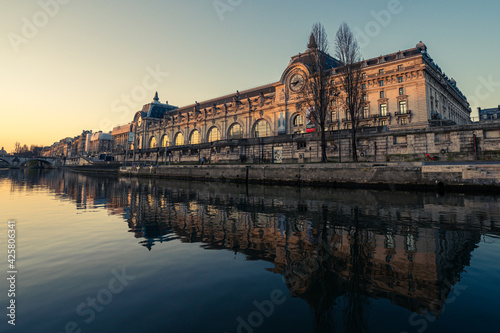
315	93
347	51
17	147
35	150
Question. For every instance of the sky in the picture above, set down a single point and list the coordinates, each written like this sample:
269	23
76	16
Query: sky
73	65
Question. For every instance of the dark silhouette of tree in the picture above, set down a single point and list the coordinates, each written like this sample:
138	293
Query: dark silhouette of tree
17	148
315	93
347	51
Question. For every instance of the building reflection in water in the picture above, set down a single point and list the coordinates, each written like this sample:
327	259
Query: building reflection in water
335	249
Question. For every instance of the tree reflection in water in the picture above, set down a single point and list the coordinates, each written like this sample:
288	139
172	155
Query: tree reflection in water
335	249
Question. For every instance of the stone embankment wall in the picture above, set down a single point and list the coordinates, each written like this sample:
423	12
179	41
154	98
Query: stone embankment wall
375	144
414	174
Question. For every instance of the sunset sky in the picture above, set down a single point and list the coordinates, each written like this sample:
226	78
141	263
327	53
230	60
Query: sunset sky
73	65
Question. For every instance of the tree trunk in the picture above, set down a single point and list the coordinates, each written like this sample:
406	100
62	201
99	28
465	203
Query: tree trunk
354	145
323	147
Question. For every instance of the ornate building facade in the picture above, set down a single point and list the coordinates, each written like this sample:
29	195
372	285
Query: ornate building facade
401	90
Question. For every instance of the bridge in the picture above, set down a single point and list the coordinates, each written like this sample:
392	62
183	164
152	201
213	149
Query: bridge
21	161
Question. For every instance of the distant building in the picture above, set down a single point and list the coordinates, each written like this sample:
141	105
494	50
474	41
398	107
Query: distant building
60	149
3	152
489	114
78	146
120	137
100	143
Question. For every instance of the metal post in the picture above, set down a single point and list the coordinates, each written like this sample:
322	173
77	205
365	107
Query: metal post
126	152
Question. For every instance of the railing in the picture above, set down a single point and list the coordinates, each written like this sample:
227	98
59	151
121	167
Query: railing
402	113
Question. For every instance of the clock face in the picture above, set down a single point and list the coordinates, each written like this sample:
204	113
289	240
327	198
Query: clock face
297	82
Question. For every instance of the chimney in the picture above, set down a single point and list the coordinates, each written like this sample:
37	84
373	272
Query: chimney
478	109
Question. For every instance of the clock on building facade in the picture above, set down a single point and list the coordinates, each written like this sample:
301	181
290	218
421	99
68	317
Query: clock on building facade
297	82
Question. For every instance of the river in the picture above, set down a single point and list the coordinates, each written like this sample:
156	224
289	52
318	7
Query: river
108	254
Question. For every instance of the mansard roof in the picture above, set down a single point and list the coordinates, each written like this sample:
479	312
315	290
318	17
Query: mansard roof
489	111
156	109
306	59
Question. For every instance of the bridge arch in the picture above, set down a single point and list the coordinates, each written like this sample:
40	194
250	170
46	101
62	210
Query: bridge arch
44	162
6	161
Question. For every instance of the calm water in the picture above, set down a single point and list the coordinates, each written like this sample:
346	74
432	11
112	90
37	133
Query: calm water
104	254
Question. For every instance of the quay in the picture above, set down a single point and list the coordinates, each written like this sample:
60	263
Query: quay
393	175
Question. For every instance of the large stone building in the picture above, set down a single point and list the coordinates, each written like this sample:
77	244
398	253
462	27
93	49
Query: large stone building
405	89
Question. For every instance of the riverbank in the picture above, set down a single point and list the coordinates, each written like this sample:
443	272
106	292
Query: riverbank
394	175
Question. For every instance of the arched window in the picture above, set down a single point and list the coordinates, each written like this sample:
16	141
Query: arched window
152	142
235	131
164	141
195	137
213	134
298	120
179	139
139	144
261	129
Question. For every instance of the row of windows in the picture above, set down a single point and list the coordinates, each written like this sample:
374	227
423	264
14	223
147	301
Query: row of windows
261	129
382	94
402	109
381	83
381	71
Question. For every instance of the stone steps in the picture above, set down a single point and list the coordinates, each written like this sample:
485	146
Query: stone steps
482	172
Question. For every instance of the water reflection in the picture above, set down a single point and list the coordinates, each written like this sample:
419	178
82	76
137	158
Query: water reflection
338	250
